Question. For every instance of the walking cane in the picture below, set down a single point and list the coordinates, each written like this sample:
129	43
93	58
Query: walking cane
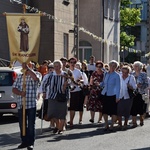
42	117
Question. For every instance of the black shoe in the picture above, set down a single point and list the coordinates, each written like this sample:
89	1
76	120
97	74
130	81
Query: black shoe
60	132
55	130
106	129
141	123
91	120
22	145
134	126
30	147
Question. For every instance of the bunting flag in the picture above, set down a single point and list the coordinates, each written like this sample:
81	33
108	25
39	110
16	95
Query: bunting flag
23	36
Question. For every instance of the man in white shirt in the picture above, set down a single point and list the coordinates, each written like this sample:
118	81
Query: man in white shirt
91	66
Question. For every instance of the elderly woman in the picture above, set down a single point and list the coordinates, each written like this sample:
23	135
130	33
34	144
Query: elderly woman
56	85
94	104
125	103
50	70
110	92
142	84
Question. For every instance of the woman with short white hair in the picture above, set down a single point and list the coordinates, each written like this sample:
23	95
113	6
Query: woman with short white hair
55	86
142	84
110	92
125	102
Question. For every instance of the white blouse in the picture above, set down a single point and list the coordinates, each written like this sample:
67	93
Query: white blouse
124	82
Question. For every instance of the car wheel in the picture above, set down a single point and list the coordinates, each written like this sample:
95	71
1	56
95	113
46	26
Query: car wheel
1	115
16	115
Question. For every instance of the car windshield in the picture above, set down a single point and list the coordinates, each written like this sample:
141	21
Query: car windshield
6	79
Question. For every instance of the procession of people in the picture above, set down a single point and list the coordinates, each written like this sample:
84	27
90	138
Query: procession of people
69	86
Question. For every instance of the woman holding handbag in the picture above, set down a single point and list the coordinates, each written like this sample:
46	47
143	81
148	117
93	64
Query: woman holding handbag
125	102
56	85
138	103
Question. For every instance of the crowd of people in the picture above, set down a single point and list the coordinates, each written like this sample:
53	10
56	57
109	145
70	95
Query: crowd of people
69	85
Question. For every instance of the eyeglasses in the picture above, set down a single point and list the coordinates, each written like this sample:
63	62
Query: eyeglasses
125	72
99	66
72	62
56	66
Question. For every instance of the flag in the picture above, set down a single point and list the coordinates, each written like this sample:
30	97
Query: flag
23	36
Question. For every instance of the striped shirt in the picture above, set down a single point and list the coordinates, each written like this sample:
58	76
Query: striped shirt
54	84
31	90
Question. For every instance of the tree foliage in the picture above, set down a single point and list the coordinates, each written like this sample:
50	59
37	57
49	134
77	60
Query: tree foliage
129	17
125	3
126	40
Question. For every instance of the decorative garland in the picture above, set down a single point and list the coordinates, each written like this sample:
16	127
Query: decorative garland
36	10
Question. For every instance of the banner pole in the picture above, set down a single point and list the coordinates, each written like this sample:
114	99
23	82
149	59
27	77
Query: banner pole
24	106
24	98
24	8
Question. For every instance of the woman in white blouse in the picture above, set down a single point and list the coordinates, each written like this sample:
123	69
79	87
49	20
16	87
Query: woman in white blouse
125	102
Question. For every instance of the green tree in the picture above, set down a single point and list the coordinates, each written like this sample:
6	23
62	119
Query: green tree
129	17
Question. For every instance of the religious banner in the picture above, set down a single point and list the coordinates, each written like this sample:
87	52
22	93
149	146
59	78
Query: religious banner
23	36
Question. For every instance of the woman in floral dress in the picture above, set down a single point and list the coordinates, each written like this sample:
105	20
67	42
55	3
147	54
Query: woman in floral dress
94	104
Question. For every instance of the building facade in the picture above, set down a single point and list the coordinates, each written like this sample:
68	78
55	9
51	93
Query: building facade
148	33
55	40
99	17
141	30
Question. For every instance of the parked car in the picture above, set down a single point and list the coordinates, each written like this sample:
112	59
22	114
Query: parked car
8	100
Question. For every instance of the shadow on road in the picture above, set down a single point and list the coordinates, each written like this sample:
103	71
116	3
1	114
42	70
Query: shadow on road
71	135
146	148
7	119
12	139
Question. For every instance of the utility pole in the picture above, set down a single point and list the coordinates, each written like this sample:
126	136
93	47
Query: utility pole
76	28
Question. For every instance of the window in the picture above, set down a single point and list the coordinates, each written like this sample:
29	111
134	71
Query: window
85	50
136	31
66	42
6	79
106	8
111	9
116	13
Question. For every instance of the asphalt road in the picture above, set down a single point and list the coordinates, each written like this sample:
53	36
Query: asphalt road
87	136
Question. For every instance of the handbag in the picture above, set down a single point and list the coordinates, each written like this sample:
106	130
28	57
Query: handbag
145	98
132	93
60	97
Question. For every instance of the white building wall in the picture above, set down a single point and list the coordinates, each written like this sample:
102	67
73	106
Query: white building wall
111	30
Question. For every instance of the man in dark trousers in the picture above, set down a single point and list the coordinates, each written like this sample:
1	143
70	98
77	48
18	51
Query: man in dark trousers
31	81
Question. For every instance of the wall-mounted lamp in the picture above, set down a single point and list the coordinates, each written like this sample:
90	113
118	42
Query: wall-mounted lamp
66	2
71	31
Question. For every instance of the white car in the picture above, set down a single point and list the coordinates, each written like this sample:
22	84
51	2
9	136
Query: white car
8	101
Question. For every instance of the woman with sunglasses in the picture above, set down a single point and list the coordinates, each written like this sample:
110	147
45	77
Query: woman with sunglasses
76	100
94	104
